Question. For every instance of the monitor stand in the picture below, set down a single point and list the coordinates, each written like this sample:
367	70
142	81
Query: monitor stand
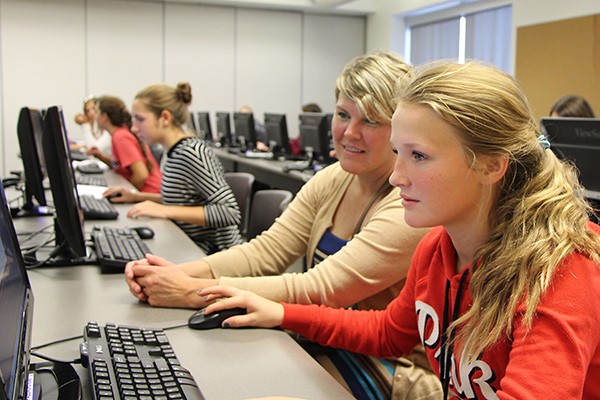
29	209
62	255
53	380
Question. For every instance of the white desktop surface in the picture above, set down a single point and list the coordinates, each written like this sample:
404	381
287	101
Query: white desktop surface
226	363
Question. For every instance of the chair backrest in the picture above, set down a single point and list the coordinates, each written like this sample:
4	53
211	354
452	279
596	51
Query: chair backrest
266	206
241	185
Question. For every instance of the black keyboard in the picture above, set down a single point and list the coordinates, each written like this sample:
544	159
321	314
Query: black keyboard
126	362
115	247
90	169
93	180
94	208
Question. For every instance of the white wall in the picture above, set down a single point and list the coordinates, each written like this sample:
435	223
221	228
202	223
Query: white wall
59	51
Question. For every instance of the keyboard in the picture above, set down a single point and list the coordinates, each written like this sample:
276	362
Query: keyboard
115	247
93	180
94	208
90	169
127	362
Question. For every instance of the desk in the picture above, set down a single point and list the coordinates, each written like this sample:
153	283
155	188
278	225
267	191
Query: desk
267	172
227	364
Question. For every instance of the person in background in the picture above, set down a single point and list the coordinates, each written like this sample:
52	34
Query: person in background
504	294
92	135
261	134
347	223
194	193
572	106
130	157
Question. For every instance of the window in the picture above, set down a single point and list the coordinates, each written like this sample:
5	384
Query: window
461	33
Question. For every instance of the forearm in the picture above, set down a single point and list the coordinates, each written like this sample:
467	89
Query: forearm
138	197
191	215
197	269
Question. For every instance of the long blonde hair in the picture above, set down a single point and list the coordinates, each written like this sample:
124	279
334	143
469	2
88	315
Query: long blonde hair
370	81
539	214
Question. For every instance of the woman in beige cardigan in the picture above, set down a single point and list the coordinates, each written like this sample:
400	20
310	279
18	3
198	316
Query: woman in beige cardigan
347	220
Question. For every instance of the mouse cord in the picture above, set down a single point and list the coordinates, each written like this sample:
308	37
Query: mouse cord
47	358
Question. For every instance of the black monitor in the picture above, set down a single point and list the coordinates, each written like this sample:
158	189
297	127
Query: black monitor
277	133
192	123
314	136
204	127
577	140
29	132
16	309
68	222
245	130
224	128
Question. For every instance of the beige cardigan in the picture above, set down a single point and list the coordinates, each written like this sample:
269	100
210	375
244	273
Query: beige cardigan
369	270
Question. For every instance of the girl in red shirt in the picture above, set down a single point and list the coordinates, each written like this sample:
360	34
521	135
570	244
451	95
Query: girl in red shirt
130	156
503	293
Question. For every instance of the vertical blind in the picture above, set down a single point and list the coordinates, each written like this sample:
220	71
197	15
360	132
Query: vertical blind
486	37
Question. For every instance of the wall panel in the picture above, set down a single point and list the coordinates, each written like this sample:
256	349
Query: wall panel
200	49
42	63
124	46
329	43
268	61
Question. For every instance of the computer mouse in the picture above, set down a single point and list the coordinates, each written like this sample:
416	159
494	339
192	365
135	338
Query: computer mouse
113	195
145	232
199	320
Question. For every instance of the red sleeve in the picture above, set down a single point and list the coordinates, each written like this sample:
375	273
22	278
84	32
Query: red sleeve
372	332
126	149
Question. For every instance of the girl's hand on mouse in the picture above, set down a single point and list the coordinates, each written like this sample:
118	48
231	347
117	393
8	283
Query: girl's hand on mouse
260	312
148	209
120	195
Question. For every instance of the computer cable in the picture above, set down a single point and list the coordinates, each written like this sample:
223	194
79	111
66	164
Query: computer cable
59	341
30	257
29	235
47	358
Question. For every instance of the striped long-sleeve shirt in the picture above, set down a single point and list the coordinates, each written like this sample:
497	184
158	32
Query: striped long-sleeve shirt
194	176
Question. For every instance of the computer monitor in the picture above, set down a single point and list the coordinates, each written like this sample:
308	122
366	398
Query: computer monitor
68	222
29	132
16	309
245	130
192	122
224	129
204	127
277	133
314	136
577	140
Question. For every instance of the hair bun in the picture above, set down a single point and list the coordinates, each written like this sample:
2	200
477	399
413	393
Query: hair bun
184	92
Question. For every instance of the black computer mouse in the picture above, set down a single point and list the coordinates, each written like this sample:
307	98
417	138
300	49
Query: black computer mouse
113	195
144	231
199	320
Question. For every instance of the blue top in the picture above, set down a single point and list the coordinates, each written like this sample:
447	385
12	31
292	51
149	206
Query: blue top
328	245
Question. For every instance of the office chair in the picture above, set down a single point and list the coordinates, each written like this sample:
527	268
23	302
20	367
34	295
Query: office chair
241	185
266	206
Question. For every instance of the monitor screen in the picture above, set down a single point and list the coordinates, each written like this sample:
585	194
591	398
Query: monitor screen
192	122
69	217
245	130
577	140
29	132
204	127
16	309
224	128
314	135
277	132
